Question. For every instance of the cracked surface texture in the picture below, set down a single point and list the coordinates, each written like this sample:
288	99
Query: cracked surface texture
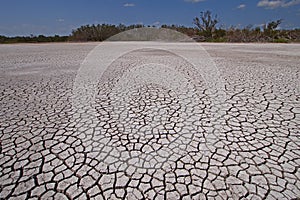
149	140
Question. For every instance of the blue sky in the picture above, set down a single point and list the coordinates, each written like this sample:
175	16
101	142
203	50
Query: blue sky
25	17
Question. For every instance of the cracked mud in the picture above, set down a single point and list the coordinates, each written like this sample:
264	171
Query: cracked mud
148	140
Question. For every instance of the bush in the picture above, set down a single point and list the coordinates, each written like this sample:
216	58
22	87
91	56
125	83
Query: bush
280	40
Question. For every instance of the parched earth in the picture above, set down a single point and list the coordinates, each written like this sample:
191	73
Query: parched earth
158	129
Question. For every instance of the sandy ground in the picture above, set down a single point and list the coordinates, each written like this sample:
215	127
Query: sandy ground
157	126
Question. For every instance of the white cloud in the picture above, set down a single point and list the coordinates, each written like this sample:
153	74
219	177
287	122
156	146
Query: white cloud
60	20
242	6
156	23
291	3
129	5
194	1
272	4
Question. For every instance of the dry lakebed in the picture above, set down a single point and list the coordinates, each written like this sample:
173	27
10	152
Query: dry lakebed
149	123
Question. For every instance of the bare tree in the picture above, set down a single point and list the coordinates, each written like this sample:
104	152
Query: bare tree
270	29
206	23
273	25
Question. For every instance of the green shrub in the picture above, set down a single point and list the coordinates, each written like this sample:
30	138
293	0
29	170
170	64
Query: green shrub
281	40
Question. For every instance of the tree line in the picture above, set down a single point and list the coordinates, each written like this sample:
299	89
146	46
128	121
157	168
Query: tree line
33	39
205	30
